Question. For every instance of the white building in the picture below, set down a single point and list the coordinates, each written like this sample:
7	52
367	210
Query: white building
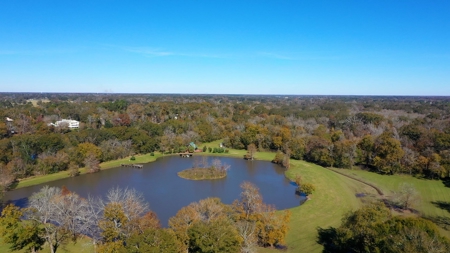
70	123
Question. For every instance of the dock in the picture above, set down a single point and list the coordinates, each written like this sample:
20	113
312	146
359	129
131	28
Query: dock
139	166
186	154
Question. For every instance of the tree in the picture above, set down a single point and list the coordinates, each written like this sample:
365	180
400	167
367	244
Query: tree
91	163
123	213
206	211
62	216
406	196
248	234
388	154
373	229
251	151
279	157
251	200
21	235
73	169
271	227
366	145
88	149
153	240
6	179
217	236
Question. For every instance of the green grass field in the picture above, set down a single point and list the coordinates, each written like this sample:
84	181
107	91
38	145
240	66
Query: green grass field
334	196
431	191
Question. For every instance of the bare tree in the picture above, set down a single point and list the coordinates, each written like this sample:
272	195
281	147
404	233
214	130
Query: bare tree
6	178
132	203
92	163
63	216
251	200
247	232
406	196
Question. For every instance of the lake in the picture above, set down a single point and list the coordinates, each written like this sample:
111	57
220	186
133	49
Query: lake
167	193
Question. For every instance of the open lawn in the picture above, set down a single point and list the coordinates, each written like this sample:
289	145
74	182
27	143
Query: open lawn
334	196
434	195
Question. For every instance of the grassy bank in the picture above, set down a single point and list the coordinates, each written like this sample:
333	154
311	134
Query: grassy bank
334	196
65	174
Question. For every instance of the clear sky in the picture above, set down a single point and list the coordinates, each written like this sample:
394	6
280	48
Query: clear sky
340	47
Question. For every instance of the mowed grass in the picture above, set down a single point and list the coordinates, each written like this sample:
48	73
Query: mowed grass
335	195
431	192
106	165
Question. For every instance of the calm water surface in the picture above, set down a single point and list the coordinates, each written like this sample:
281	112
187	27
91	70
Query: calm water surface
167	193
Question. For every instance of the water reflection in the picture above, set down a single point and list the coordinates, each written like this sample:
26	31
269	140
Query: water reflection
167	193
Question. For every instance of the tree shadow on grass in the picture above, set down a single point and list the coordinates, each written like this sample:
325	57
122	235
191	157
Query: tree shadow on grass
325	237
442	205
446	182
441	221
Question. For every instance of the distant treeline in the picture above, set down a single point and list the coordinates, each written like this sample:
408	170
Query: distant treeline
385	134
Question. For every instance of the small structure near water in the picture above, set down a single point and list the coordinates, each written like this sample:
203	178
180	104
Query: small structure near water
186	154
139	166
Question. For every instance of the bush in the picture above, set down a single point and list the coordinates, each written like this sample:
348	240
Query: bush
204	149
226	150
209	149
152	154
307	188
132	158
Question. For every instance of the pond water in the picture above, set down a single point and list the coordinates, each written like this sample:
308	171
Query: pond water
167	193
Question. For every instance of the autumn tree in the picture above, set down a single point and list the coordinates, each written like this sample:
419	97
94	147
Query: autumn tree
271	227
251	151
205	211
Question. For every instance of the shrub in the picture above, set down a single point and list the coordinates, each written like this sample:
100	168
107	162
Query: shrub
133	158
307	188
204	149
152	154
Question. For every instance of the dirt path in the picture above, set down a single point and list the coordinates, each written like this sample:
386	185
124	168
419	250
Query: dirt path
359	180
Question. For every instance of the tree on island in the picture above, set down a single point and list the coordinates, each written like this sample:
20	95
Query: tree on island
202	169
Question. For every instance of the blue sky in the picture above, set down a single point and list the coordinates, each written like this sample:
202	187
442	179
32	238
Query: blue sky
360	47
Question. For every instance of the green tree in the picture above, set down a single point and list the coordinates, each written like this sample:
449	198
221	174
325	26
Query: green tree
307	188
154	240
388	154
218	236
20	234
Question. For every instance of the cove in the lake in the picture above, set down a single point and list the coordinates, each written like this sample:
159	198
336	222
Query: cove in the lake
167	193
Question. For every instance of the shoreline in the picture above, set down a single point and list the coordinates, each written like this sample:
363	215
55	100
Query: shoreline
140	159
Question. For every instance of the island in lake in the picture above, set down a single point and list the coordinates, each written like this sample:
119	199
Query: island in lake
202	170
